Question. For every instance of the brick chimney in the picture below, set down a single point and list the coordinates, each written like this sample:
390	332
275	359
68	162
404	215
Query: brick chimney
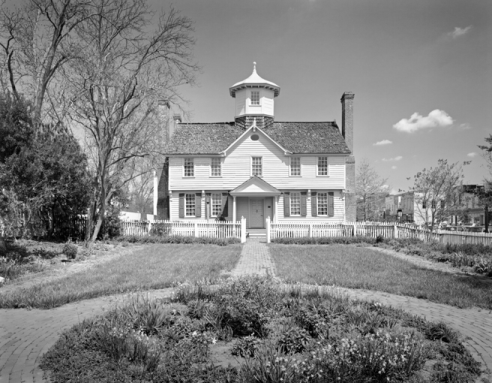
347	101
348	133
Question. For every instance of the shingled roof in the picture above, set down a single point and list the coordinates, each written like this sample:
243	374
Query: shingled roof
296	137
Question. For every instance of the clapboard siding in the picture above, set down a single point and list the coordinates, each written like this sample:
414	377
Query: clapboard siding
236	169
240	103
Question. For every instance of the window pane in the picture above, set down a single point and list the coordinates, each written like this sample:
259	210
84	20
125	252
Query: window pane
256	166
322	166
255	98
215	167
216	204
189	170
323	204
295	166
190	205
295	204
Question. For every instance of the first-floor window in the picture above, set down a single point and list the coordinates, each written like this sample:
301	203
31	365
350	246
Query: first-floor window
295	204
190	205
323	204
216	204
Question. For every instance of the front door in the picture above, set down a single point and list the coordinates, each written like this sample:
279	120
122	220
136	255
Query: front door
256	213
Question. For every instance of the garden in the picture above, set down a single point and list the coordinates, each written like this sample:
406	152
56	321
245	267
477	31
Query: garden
252	330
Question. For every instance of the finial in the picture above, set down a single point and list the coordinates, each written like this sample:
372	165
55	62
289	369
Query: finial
254	66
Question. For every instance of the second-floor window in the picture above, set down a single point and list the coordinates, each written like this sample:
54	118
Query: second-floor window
295	166
189	167
216	204
295	204
190	205
255	97
215	170
323	204
322	166
256	167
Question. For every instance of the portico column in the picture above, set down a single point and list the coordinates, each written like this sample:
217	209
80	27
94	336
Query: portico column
233	208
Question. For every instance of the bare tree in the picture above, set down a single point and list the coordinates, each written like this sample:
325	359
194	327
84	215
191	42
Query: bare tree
369	187
438	192
36	42
126	71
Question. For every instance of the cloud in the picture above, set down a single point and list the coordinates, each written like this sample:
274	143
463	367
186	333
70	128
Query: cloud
465	126
385	187
458	32
393	167
436	118
397	158
383	142
472	154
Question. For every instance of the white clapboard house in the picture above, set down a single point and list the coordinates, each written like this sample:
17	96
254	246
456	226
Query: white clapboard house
255	167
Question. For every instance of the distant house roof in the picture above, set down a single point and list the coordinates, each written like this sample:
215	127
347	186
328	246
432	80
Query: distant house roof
296	137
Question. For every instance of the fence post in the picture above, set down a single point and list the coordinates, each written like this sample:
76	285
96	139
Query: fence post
196	229
310	230
355	229
243	230
268	227
395	231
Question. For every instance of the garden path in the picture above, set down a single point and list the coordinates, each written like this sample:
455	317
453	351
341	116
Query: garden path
25	335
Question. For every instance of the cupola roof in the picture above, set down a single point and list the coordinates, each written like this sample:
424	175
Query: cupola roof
254	81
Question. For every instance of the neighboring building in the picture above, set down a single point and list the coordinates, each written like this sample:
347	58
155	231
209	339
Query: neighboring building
373	209
473	212
256	167
405	207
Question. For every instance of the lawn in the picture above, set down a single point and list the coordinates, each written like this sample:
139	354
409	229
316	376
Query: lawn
152	267
364	268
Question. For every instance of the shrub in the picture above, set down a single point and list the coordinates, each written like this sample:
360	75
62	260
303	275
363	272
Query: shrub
325	240
70	250
176	239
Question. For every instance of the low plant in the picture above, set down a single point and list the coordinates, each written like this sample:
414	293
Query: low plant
357	240
178	239
175	340
70	250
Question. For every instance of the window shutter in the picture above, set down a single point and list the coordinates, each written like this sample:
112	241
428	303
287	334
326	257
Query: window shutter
314	204
331	205
225	208
198	205
303	204
181	205
208	205
286	204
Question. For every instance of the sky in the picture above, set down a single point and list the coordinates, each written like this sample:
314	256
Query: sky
421	71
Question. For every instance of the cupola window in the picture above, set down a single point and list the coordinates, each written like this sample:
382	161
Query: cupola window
255	97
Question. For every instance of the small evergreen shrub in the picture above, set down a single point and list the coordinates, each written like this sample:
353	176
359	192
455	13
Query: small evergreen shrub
176	239
70	250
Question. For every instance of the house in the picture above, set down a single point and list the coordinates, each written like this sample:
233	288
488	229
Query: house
405	207
256	167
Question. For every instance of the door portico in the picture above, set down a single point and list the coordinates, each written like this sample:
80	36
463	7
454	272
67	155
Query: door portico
254	200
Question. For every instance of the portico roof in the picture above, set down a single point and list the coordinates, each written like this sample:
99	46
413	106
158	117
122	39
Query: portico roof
255	187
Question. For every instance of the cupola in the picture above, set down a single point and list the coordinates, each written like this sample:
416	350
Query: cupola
254	99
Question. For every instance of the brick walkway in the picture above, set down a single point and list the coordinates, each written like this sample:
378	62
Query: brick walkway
255	259
25	335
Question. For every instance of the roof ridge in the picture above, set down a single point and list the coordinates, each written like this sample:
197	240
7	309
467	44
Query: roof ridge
208	123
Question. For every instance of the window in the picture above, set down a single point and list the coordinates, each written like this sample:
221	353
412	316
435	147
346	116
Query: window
433	204
189	167
322	166
215	170
424	205
295	166
256	166
255	97
216	204
295	204
323	204
443	204
190	205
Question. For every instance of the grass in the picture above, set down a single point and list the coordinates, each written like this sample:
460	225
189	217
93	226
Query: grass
363	268
249	330
151	267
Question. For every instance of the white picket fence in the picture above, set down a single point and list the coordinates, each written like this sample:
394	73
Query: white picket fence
185	228
367	229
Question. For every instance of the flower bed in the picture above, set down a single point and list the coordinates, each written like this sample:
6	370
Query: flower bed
250	330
